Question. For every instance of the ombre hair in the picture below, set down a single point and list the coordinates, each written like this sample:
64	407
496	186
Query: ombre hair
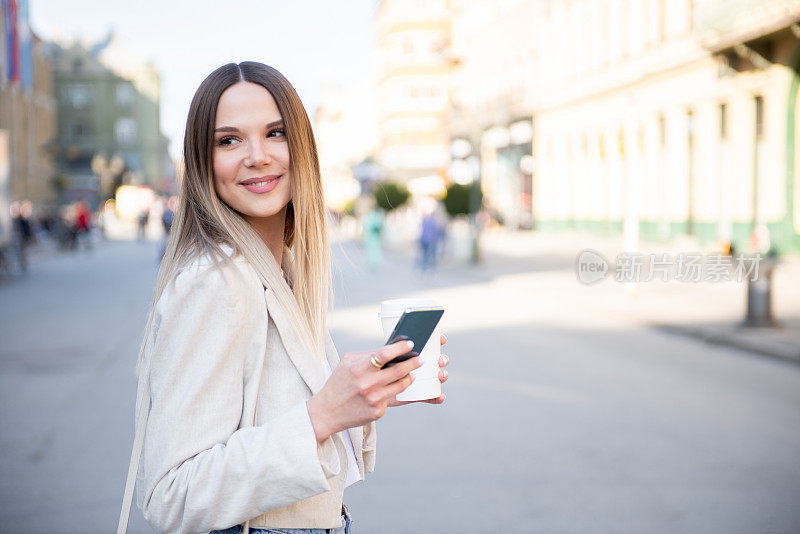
203	222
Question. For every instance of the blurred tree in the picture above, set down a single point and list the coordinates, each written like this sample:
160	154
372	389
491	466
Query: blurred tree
390	195
463	199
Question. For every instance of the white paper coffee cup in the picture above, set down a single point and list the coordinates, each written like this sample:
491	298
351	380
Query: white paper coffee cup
426	383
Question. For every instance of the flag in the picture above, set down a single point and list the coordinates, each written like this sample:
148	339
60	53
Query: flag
3	52
25	43
11	41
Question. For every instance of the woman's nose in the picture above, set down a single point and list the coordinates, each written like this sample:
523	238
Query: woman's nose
257	155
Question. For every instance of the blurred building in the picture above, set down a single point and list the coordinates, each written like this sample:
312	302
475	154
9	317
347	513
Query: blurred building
413	38
757	48
108	120
346	130
27	111
493	97
666	118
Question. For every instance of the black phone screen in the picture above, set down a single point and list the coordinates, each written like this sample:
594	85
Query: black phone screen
416	324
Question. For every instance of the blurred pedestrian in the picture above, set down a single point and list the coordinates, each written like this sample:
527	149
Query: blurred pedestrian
67	229
48	221
83	224
372	235
245	412
26	223
167	216
22	234
142	220
431	235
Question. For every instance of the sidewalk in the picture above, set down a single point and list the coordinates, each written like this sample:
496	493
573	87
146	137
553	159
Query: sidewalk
710	311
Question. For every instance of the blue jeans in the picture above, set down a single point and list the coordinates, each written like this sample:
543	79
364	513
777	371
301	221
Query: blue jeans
344	529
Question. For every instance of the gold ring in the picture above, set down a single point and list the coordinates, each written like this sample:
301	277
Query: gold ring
373	359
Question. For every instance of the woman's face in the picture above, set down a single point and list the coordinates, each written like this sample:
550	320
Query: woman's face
251	153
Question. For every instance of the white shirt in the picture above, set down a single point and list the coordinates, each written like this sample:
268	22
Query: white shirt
352	467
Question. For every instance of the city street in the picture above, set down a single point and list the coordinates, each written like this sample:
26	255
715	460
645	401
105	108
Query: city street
563	415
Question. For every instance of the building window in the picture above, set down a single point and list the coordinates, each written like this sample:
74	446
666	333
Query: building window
78	95
125	131
77	131
759	117
124	94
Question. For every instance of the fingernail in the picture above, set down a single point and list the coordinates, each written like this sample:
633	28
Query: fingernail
410	344
444	373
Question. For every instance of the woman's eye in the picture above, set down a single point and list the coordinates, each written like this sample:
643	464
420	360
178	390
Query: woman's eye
226	141
277	132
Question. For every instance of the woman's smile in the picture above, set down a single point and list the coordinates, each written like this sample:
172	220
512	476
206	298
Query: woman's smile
263	184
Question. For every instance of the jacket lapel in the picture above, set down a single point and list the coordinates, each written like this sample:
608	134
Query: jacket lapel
309	365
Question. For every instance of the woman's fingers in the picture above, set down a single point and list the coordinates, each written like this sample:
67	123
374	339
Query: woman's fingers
442	339
390	352
398	371
443	374
397	387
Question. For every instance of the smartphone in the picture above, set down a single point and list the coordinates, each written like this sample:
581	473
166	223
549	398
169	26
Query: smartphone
416	324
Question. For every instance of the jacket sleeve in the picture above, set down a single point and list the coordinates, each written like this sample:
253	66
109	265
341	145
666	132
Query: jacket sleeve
199	471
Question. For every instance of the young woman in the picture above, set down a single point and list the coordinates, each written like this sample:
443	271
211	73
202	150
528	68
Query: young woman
246	413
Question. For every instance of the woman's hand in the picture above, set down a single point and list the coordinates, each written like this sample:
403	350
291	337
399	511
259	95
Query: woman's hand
443	361
357	392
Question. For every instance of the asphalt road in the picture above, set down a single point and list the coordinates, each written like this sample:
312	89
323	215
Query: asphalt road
562	416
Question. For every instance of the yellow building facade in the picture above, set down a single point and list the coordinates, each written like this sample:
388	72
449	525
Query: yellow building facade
667	118
29	117
412	91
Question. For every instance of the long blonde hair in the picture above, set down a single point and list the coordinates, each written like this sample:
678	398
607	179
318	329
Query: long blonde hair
203	222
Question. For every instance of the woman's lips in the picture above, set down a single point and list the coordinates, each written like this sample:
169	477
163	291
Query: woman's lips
264	186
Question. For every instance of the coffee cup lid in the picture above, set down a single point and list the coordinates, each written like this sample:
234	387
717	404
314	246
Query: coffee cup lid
396	307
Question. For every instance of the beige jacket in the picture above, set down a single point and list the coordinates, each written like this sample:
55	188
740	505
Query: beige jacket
229	438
